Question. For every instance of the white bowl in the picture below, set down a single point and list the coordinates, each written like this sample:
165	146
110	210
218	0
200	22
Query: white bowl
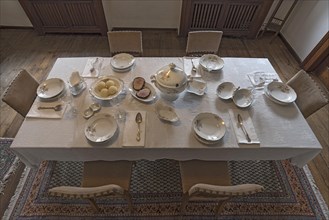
95	93
243	98
225	90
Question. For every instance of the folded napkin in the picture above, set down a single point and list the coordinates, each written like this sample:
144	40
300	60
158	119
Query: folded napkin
247	122
130	130
46	113
188	66
93	67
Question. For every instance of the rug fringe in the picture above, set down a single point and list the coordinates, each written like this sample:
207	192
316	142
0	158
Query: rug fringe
18	190
10	172
317	192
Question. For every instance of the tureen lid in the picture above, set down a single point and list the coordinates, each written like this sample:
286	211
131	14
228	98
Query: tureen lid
171	76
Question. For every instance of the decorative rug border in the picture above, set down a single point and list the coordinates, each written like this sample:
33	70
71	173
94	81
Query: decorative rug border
316	191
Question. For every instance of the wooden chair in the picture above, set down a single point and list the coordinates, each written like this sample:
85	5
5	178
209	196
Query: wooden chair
203	42
125	42
100	178
21	92
310	97
210	181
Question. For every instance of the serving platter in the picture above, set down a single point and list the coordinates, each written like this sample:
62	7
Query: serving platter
100	128
211	62
51	88
209	126
150	98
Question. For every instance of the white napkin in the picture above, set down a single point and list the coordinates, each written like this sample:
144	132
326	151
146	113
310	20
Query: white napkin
130	130
247	122
46	113
93	67
188	66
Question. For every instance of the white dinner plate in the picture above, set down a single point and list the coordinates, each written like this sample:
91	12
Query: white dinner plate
200	139
100	128
150	98
209	126
281	92
211	62
122	61
50	88
225	90
273	99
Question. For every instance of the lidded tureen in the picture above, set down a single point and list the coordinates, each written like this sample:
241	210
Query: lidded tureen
171	81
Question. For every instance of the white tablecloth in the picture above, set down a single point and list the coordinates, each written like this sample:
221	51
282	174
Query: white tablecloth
282	131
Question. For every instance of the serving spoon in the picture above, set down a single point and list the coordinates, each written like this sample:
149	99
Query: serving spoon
56	107
138	120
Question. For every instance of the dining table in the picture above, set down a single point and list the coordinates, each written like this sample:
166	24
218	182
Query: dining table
281	131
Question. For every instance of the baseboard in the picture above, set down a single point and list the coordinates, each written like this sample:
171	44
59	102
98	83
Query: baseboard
142	29
290	48
15	27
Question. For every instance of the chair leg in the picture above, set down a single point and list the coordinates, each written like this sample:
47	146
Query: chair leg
184	203
94	205
220	207
129	201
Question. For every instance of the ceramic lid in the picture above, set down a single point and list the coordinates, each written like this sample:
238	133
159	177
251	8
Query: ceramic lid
171	76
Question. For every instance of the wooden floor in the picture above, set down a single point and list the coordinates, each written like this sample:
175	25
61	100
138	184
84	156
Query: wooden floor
23	48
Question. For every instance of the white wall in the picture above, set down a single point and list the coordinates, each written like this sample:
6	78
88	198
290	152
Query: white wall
12	14
142	13
306	26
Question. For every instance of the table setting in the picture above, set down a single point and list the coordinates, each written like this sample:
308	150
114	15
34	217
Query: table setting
178	108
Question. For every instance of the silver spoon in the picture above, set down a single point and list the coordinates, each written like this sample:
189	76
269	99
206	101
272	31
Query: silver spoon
56	107
243	128
138	120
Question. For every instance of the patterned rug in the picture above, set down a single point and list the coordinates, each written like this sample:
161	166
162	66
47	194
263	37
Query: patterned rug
156	191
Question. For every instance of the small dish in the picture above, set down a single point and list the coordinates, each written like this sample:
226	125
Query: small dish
197	86
100	128
225	90
95	107
91	110
166	113
209	126
243	98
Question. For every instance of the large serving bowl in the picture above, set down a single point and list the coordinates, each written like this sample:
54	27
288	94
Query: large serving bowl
171	81
106	83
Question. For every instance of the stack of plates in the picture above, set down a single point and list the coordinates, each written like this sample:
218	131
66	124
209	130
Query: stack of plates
122	62
211	62
280	93
208	128
51	89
